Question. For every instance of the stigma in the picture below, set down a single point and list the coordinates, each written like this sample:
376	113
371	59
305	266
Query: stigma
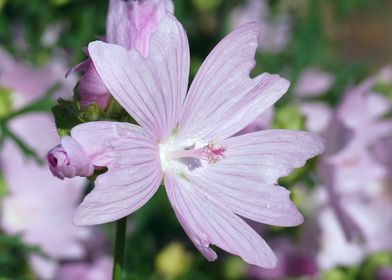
210	153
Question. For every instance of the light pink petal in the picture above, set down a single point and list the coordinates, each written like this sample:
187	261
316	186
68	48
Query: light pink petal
133	175
97	138
266	204
318	116
151	89
334	249
223	99
245	180
361	107
313	82
269	154
207	222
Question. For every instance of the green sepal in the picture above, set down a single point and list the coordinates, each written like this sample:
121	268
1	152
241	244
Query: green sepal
90	114
97	172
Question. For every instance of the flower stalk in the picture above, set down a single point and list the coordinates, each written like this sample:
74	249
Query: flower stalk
119	248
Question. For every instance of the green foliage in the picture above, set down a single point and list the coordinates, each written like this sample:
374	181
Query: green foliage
155	226
288	117
65	115
5	102
366	270
13	261
3	187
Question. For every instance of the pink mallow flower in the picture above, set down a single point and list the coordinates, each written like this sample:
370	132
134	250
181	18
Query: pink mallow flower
211	178
129	24
276	29
294	261
355	204
36	206
100	269
313	82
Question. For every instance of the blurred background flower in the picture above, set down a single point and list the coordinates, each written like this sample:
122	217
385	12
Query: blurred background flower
337	54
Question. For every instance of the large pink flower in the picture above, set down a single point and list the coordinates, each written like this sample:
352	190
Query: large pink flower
37	207
211	178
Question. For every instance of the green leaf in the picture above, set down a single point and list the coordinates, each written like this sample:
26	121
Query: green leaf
5	102
66	116
3	187
374	262
288	117
41	105
383	88
206	5
27	150
335	274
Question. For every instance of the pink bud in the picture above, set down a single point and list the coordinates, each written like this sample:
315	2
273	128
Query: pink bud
131	23
69	160
91	88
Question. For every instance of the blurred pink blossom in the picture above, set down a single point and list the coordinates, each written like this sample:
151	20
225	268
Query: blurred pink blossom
318	116
293	261
275	30
186	138
384	273
313	82
31	83
37	206
355	211
100	269
129	24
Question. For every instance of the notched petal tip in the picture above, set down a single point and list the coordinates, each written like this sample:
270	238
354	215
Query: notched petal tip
320	143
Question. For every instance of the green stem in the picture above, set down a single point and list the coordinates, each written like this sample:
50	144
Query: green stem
119	248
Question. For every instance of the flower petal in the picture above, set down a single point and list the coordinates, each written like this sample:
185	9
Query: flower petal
223	99
151	89
207	222
133	175
245	180
97	138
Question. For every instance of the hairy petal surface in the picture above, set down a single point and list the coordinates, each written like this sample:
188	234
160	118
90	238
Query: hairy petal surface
132	178
245	180
223	99
151	89
207	222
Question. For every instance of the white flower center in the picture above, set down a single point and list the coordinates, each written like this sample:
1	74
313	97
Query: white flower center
180	158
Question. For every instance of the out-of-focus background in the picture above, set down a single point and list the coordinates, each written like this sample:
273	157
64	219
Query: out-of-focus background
337	55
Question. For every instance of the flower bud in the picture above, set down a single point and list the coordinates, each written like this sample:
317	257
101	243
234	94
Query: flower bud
131	23
69	160
91	88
